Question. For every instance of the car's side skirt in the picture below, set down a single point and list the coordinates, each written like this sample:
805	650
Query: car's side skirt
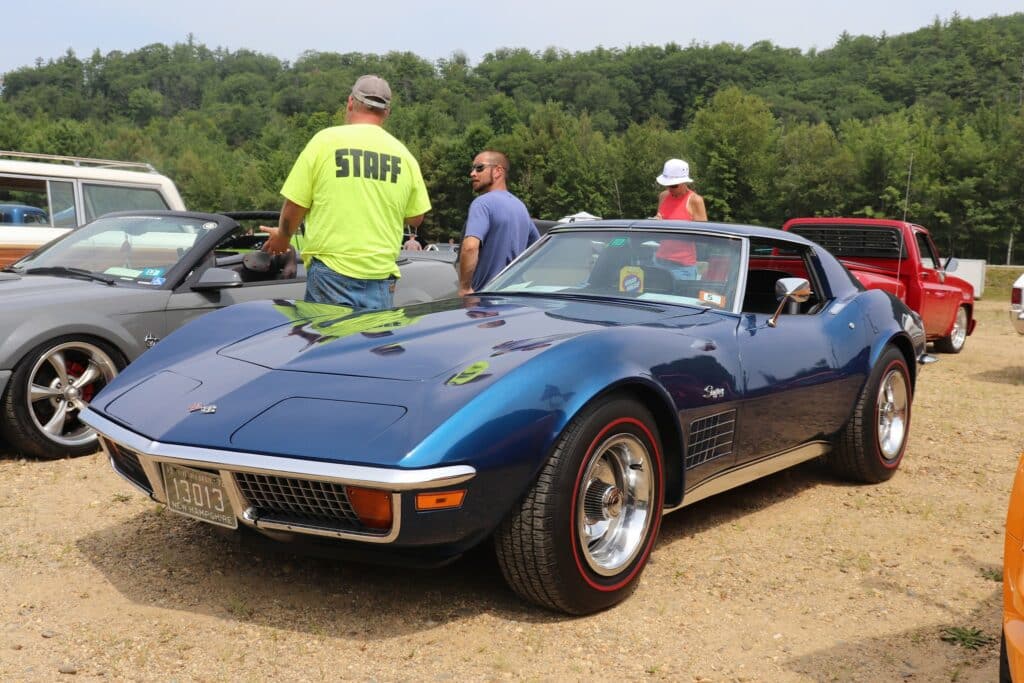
748	472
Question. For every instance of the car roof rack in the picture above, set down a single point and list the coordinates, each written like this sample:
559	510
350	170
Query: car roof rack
79	161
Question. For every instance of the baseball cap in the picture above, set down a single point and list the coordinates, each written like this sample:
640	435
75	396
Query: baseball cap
676	171
373	91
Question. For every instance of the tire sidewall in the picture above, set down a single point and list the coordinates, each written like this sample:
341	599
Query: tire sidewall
891	360
24	434
586	587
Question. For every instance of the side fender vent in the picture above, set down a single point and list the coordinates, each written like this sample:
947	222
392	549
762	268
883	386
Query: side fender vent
710	437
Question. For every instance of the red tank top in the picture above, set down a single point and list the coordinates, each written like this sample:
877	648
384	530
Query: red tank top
678	251
675	207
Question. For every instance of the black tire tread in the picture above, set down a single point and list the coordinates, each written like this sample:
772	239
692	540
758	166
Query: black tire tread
525	541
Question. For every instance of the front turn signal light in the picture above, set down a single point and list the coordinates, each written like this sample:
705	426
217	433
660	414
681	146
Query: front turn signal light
440	500
372	506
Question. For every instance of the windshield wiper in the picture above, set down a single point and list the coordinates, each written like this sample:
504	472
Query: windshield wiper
72	272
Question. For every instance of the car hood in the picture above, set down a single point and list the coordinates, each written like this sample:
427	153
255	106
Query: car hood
29	292
423	342
353	388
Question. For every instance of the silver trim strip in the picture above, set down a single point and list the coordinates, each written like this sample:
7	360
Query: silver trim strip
354	475
749	472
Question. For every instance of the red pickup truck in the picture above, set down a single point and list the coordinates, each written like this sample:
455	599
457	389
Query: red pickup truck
900	258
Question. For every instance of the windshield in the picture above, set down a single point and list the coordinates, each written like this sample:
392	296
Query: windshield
138	249
674	267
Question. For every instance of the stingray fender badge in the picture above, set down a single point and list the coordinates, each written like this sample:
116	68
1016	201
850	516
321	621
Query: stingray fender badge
711	392
201	408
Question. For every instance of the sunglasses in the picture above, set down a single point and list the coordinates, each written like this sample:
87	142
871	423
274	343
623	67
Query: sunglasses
477	168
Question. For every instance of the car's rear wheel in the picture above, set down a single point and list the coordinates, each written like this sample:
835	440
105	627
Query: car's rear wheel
871	446
579	539
954	343
48	390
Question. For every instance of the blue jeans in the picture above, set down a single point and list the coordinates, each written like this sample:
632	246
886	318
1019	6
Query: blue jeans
325	286
679	272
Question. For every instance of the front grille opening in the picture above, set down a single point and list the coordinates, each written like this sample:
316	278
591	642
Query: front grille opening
302	502
710	437
128	465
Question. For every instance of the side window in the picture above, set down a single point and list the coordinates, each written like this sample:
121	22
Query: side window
928	255
62	200
103	199
22	200
771	261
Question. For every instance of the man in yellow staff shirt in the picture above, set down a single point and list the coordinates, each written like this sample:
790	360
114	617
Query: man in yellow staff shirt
357	187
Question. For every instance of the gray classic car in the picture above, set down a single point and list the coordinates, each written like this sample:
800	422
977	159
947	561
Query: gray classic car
78	310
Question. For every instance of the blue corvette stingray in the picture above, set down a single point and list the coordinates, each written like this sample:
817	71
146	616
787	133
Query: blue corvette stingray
616	371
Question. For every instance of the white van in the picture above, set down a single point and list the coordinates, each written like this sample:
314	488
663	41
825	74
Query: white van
50	195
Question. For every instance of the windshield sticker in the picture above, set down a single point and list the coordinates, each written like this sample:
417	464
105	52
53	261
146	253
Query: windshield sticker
157	281
209	225
631	279
712	298
151	273
122	272
618	242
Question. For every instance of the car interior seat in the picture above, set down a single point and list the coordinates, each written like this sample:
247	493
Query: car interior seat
658	280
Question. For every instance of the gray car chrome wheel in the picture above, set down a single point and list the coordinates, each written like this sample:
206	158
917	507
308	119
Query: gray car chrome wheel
48	391
954	343
615	504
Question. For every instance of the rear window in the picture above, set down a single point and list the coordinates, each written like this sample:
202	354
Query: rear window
854	240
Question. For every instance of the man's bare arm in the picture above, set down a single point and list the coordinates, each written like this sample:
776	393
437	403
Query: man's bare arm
279	240
469	254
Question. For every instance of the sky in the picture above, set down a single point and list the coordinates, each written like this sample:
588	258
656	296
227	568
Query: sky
437	29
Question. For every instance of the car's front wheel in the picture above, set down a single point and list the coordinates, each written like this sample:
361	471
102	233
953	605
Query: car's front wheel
870	447
579	539
954	343
48	390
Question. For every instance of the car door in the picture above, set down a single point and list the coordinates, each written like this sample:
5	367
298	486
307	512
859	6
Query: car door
939	301
186	304
798	388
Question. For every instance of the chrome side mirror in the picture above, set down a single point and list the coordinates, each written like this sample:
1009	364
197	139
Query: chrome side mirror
787	289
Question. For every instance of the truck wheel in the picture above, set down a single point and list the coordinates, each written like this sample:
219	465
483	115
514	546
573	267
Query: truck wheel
47	391
954	343
579	539
871	446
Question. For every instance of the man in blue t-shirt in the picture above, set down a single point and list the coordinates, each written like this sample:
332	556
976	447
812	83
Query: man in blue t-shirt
498	228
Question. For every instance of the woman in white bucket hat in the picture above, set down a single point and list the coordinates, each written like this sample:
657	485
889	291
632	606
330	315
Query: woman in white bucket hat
678	201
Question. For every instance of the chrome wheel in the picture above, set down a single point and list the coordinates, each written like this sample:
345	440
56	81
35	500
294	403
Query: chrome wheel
615	504
60	385
893	413
958	335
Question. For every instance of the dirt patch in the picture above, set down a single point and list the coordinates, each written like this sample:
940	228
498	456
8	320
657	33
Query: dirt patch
798	577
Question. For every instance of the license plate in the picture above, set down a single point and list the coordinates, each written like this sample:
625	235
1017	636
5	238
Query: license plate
198	494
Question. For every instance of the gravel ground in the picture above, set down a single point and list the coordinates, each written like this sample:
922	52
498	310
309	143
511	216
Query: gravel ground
798	577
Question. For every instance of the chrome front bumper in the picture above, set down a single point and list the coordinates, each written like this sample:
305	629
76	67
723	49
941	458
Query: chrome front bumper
138	460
